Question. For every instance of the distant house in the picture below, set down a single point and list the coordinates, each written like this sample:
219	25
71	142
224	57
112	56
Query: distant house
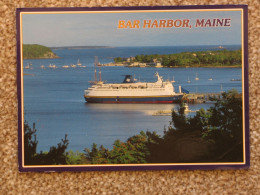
158	65
130	59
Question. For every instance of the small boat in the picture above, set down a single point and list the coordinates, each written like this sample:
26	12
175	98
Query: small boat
197	78
27	66
42	67
235	80
73	66
52	66
79	64
173	81
221	89
210	79
188	81
65	66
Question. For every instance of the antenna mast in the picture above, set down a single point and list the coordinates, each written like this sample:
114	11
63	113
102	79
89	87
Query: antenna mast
96	63
100	75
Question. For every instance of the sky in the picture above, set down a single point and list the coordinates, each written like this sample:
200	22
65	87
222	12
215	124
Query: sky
101	29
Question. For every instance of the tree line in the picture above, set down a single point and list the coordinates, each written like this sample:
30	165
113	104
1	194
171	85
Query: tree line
213	135
32	51
200	58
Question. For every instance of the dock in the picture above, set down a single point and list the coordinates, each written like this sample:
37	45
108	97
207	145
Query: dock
169	112
199	98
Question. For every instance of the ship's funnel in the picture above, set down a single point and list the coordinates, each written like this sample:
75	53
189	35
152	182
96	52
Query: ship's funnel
128	79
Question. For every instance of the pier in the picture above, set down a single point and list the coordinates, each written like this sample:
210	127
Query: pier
198	98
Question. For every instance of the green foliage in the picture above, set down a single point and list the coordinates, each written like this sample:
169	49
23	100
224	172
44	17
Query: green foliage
179	119
74	158
118	59
200	121
146	58
220	128
36	51
97	155
200	58
181	122
30	143
121	153
55	156
135	150
225	127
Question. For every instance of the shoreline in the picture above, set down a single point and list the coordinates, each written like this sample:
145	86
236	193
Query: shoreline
147	66
40	58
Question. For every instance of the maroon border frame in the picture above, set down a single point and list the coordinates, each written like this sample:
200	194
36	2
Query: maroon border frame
134	167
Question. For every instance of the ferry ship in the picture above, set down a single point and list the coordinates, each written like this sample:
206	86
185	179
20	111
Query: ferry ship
131	91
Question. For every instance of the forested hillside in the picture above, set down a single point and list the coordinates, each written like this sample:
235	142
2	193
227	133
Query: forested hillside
34	51
198	59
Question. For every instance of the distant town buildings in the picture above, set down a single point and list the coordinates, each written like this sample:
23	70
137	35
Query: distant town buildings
130	62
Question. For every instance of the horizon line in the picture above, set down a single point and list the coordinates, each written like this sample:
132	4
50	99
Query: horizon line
107	46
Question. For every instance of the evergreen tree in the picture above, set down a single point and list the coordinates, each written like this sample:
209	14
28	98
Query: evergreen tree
30	143
56	154
220	128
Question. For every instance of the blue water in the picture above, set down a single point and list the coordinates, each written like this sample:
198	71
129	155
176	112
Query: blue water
53	98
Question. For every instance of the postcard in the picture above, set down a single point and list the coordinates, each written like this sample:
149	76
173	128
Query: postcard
132	88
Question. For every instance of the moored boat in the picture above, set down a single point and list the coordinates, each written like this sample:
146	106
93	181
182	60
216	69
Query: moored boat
79	64
52	66
197	77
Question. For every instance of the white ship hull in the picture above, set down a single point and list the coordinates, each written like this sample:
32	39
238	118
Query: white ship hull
130	92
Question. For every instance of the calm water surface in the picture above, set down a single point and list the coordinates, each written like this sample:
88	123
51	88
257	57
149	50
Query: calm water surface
54	99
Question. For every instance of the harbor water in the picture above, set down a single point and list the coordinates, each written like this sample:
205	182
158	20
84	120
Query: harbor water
54	98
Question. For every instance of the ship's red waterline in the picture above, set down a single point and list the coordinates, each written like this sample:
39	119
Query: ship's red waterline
139	102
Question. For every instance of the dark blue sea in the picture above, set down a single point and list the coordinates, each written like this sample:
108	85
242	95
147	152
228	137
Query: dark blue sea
53	98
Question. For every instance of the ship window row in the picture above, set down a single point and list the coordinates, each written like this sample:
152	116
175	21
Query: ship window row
140	86
131	90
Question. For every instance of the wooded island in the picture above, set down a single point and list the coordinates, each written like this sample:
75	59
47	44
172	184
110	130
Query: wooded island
35	51
219	58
